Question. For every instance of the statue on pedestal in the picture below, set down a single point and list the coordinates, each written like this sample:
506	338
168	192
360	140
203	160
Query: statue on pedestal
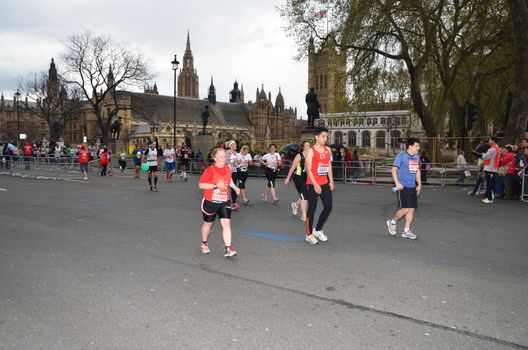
313	107
116	128
205	119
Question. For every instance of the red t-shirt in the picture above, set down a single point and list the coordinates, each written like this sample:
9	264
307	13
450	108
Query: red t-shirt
321	163
28	150
213	175
84	156
104	158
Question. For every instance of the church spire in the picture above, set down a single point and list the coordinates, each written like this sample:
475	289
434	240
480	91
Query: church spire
212	93
188	85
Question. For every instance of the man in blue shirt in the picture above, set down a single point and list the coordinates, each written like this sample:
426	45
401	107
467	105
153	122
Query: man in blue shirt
137	155
406	175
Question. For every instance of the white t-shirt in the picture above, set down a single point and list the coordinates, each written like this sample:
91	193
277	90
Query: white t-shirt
169	155
152	156
272	160
243	161
232	161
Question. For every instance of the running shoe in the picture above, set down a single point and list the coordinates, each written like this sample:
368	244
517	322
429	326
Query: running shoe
320	235
229	252
487	201
85	178
245	201
235	206
275	200
303	217
311	239
391	227
151	188
205	248
295	208
470	193
155	188
264	197
409	234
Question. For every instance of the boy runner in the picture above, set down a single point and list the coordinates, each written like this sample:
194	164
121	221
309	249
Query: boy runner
151	155
406	176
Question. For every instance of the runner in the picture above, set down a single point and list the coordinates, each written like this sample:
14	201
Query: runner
298	171
151	155
232	163
272	161
169	154
104	158
244	161
215	181
138	156
407	178
122	159
185	156
319	183
84	159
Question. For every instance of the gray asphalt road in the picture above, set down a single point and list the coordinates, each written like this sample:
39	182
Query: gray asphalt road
109	265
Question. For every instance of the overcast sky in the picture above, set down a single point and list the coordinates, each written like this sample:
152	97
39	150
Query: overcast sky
236	39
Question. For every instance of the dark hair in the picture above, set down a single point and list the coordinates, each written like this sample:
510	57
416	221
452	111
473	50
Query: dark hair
272	145
412	140
494	139
319	130
302	146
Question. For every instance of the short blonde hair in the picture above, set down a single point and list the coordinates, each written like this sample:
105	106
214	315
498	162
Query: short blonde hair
216	150
244	148
229	143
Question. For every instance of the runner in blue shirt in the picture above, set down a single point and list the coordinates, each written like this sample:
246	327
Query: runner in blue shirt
137	156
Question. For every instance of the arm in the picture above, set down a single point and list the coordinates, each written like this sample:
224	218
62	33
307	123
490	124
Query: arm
490	154
330	175
418	183
292	168
394	173
308	167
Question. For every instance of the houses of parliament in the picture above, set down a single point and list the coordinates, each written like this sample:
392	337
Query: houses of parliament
147	115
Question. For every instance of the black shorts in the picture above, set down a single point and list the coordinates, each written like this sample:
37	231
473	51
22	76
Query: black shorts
211	209
407	198
122	164
271	175
84	167
300	185
184	162
152	169
241	178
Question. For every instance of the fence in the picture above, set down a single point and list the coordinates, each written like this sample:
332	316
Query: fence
524	185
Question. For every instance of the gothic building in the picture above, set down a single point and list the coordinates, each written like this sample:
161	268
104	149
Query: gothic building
188	85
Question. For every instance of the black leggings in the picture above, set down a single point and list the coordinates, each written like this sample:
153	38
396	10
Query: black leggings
271	175
242	177
234	196
326	198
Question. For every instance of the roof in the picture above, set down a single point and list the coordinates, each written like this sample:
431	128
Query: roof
187	109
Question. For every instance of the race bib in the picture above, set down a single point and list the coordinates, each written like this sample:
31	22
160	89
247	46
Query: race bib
414	166
322	169
219	196
185	156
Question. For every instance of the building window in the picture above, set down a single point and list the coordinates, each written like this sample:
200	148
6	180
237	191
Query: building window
397	122
369	121
375	121
382	121
380	139
403	121
352	138
395	135
338	137
365	138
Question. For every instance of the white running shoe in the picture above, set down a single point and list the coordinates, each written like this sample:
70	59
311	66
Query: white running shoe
320	235
487	201
409	234
295	208
391	227
311	239
303	217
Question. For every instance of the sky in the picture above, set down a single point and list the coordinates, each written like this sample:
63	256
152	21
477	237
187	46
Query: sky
236	39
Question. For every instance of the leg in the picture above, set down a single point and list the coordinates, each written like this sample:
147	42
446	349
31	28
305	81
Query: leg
206	229
409	218
326	198
226	231
400	213
312	206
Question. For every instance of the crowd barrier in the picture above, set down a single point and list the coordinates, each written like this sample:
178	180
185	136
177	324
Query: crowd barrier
368	172
524	185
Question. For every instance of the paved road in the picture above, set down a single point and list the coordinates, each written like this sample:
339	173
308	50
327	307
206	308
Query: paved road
109	265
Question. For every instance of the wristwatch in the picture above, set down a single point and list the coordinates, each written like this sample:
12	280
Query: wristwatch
215	187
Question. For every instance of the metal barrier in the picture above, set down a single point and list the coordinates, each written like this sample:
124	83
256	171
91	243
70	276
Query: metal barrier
524	186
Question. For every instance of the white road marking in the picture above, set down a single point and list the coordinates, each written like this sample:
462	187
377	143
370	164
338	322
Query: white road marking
3	189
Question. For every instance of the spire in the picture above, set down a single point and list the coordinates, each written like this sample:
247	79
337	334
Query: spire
188	45
52	73
212	93
110	77
155	88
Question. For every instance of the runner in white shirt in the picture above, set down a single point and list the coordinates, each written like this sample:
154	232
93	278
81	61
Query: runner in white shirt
232	163
272	161
151	157
169	154
244	160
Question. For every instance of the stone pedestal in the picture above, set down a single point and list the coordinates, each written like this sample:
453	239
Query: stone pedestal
308	134
204	143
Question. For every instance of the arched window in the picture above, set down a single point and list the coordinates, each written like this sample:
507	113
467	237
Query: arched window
361	121
403	121
382	121
380	139
352	138
365	138
397	121
338	137
395	135
374	121
369	121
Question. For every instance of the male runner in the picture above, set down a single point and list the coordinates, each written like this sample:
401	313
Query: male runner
169	154
406	176
84	159
151	155
319	183
138	156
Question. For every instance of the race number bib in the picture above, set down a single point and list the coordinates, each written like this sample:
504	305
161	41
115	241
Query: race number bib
185	156
322	169
414	166
219	196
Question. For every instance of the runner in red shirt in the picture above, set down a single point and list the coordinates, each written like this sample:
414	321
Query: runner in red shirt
84	159
215	181
27	150
319	183
104	158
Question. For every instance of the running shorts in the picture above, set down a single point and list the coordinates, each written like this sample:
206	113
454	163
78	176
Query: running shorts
169	166
122	164
210	210
300	185
153	168
242	177
407	198
271	175
84	167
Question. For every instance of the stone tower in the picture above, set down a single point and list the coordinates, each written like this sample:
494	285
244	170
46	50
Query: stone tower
53	81
188	79
327	74
211	96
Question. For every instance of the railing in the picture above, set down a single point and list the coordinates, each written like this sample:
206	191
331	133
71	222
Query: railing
524	185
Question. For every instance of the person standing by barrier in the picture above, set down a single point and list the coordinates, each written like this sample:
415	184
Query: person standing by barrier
215	182
27	152
407	179
491	164
357	165
137	155
425	166
462	166
508	161
151	158
244	160
319	183
272	161
185	156
84	160
169	154
298	171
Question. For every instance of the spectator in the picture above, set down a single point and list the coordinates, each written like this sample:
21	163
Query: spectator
508	161
491	164
27	151
104	157
462	166
425	166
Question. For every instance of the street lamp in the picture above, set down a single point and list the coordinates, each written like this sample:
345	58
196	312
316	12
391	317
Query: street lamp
175	64
17	98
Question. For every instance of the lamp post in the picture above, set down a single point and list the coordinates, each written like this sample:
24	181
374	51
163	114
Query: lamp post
17	98
175	64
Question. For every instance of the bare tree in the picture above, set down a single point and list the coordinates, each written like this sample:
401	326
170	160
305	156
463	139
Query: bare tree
99	66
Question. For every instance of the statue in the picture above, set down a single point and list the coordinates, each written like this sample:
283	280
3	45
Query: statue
313	107
205	119
116	128
57	129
